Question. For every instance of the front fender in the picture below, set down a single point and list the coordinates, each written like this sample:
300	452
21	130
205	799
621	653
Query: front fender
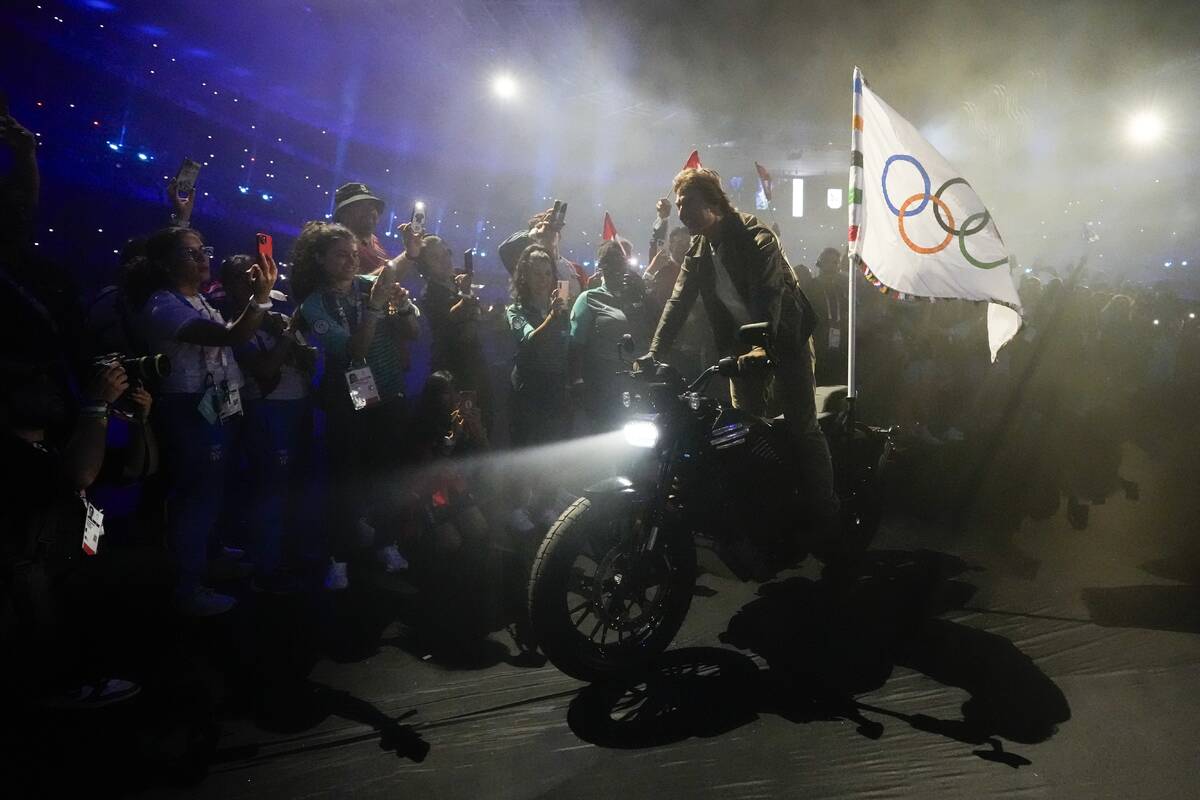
615	492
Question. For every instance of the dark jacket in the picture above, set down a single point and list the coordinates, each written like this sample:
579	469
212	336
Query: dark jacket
761	275
513	246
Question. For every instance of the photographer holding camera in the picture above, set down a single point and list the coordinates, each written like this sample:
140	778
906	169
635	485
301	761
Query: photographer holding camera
279	366
199	412
52	532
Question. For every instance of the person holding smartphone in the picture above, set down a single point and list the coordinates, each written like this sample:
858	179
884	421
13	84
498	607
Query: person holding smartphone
600	318
361	324
198	414
279	367
454	316
538	319
359	209
545	229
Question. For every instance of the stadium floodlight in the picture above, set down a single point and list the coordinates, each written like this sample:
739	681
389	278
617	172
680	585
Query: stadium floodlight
505	86
1145	128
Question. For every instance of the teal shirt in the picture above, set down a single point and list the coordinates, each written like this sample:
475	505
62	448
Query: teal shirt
332	318
546	355
598	321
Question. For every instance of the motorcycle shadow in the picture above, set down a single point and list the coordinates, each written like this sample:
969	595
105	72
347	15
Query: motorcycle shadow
823	643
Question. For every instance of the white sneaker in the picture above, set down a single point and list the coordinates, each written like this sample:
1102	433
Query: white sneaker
204	602
336	578
391	560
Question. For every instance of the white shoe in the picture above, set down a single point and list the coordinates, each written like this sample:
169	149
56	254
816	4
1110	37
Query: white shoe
204	602
391	559
336	578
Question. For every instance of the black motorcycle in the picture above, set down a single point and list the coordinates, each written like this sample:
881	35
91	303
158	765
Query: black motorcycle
613	579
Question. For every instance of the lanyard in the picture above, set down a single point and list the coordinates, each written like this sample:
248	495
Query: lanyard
212	315
341	311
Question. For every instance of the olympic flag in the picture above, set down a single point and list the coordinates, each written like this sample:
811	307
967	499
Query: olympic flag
917	227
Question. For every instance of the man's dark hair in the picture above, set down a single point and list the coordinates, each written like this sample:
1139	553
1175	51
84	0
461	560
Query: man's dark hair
610	251
708	183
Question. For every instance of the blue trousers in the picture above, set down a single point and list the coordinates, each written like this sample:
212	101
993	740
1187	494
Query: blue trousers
196	455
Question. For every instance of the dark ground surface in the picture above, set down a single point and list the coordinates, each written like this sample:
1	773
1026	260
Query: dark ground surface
987	659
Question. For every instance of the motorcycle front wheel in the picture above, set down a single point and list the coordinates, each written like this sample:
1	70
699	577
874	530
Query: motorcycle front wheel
598	609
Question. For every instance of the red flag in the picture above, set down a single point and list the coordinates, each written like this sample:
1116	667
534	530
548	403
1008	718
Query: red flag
764	178
610	230
693	161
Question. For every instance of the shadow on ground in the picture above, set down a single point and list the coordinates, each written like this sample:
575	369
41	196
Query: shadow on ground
824	643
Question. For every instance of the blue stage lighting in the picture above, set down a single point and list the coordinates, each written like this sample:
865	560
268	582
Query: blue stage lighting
244	189
266	197
143	157
116	148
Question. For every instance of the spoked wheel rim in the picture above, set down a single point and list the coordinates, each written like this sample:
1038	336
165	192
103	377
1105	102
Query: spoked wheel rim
616	600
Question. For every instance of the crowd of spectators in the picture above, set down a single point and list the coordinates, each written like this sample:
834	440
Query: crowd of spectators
280	454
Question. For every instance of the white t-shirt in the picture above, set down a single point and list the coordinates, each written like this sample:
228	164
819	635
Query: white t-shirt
165	314
727	293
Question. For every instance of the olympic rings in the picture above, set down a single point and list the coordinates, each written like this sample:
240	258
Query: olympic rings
937	201
924	177
962	244
979	220
986	217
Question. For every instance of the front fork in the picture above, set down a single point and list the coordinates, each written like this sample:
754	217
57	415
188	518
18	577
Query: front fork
646	536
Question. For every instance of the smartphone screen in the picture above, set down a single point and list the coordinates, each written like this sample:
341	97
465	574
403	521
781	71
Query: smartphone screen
266	245
564	291
469	261
466	400
185	180
418	218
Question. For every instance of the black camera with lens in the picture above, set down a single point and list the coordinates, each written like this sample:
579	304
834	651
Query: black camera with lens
140	370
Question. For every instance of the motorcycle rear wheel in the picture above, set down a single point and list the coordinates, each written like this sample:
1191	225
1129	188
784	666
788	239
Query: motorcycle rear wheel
597	612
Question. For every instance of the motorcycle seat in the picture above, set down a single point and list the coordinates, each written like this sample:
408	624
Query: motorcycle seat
831	400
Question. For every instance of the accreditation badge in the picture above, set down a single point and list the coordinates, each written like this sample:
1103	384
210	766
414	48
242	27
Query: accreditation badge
93	527
361	384
231	401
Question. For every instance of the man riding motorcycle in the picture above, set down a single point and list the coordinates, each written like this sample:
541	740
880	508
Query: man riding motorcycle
736	266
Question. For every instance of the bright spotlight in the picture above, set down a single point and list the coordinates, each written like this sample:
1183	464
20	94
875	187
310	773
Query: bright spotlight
1145	128
504	86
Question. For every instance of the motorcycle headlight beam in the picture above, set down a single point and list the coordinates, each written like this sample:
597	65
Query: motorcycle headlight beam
641	433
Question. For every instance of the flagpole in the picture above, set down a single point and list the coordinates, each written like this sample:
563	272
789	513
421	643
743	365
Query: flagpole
854	210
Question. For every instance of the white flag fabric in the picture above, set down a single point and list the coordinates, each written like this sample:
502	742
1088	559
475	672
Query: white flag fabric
916	225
